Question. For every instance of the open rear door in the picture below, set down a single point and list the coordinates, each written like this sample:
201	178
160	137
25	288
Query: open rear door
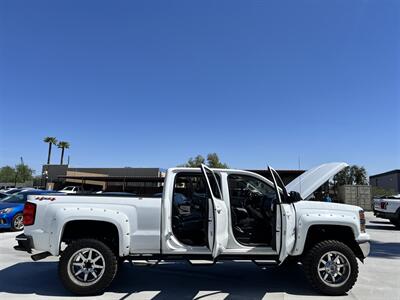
218	214
285	218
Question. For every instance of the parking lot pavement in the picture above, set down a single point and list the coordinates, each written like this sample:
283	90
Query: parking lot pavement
379	278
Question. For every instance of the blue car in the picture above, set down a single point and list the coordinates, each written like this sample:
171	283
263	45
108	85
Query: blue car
11	208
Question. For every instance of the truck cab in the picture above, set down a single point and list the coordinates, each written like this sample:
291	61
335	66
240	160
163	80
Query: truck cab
202	214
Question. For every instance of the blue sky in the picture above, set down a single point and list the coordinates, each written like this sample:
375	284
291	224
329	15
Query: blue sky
152	83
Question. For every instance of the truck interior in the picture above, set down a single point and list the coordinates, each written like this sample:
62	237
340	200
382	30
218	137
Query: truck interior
253	213
252	206
190	209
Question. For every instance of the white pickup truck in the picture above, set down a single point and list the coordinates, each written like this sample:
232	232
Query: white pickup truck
202	214
388	208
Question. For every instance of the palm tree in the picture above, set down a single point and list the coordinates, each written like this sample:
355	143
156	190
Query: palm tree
51	141
63	145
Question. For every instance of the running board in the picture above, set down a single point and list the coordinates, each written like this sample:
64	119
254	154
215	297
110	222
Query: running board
40	256
201	262
146	263
265	263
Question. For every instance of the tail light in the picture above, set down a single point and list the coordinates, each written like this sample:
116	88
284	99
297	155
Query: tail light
362	220
29	213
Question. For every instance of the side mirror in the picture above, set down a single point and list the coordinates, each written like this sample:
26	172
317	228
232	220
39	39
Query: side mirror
294	197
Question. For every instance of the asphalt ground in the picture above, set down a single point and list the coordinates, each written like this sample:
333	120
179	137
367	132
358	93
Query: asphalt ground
379	277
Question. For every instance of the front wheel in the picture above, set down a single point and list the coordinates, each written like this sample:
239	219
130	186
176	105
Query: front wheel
87	267
17	222
331	267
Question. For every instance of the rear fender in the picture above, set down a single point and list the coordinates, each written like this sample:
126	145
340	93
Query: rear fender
66	214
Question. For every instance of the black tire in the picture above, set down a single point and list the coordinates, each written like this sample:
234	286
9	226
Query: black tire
72	282
395	222
311	264
15	222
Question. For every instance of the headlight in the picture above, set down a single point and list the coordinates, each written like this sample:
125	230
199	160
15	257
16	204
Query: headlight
362	220
6	210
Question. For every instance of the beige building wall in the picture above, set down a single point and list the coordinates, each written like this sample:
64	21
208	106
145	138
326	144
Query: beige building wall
102	184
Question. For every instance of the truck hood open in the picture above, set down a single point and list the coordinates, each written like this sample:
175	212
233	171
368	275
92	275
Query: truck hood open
308	182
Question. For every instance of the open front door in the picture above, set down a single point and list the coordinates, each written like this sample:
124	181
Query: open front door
285	218
218	214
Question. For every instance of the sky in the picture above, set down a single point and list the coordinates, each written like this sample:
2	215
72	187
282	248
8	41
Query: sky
152	83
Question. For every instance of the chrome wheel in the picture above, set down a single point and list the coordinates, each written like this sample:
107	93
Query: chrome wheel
86	266
334	269
19	222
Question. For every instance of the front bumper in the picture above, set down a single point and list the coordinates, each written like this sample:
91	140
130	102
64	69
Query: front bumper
5	221
384	214
365	247
25	243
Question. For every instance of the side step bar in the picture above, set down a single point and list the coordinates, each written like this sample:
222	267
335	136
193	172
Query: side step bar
40	256
265	263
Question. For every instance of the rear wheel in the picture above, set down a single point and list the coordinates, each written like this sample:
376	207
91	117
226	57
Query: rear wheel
87	267
17	222
331	267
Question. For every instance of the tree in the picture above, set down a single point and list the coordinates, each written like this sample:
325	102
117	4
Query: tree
63	145
212	162
23	173
51	141
351	175
360	175
7	174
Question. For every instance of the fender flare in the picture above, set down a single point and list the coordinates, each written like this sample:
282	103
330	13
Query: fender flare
306	221
67	214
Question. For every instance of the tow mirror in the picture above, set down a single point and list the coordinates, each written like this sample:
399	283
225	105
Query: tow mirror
294	197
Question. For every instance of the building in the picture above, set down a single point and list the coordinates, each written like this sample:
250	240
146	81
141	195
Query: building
135	180
97	179
389	181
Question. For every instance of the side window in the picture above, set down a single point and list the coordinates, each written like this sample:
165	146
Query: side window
20	198
252	207
215	184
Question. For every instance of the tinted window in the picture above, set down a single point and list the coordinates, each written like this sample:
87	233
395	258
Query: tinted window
18	198
215	184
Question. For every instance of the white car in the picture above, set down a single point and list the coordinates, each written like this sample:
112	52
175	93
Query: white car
388	208
71	190
202	214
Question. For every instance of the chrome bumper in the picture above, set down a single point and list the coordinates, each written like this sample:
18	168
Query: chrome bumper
365	247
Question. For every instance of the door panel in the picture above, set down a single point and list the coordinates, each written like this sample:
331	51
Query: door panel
218	213
286	219
289	229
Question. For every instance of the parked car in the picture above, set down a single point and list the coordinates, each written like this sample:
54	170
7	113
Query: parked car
3	188
71	190
12	206
17	190
388	207
202	214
